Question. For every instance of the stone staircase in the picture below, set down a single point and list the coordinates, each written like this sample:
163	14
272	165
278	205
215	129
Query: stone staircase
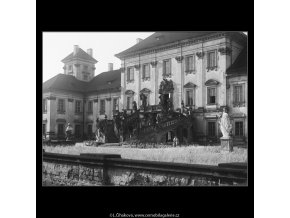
155	132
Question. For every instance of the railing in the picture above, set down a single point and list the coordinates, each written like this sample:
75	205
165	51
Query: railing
154	108
163	126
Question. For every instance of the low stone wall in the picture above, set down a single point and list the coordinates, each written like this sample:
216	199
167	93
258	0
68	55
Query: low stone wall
147	178
106	169
71	175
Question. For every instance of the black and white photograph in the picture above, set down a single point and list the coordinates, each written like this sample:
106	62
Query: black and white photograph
165	108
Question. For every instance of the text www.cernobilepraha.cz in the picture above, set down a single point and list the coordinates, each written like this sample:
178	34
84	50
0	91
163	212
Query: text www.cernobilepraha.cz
144	215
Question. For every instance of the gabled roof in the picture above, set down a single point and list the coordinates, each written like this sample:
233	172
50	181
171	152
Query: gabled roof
104	81
240	64
65	83
81	54
161	38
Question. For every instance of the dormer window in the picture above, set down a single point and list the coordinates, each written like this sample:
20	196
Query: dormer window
159	37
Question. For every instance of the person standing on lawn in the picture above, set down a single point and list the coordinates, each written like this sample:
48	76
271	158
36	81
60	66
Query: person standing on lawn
175	141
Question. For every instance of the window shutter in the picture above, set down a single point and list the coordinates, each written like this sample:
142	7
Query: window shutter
208	59
190	63
132	73
208	95
243	93
235	95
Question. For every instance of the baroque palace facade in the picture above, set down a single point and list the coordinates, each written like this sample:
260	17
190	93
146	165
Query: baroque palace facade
208	71
79	97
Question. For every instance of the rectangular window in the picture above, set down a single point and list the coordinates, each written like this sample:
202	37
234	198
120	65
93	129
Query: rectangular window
129	102
130	74
211	59
189	63
43	129
146	71
238	94
211	129
239	128
189	97
90	130
115	104
44	105
78	107
211	95
70	68
166	67
86	68
90	107
102	107
61	106
60	129
78	131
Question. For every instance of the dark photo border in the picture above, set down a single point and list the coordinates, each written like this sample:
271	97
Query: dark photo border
186	201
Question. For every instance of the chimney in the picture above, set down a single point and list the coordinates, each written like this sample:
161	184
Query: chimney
138	40
110	66
76	49
90	52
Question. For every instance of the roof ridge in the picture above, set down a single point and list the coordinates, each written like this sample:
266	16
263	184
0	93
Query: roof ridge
80	54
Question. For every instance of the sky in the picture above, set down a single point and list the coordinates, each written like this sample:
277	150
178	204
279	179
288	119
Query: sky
58	45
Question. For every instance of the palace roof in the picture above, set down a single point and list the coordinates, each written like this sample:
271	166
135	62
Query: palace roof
64	82
105	81
159	39
240	64
81	54
100	83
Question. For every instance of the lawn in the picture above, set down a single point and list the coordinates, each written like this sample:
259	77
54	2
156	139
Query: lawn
209	155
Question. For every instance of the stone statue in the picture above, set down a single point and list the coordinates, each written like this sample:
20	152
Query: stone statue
225	124
68	132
